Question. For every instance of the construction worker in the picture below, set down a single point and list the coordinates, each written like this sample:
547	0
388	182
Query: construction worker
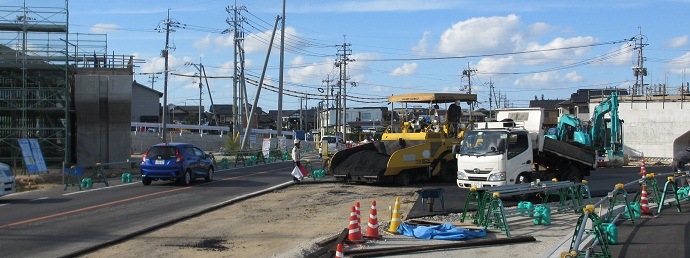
453	118
296	156
681	158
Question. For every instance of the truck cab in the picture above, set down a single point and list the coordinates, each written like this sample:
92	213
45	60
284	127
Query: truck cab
493	157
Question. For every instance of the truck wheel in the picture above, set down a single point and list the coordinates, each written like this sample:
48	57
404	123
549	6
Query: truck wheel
402	179
449	171
573	175
523	178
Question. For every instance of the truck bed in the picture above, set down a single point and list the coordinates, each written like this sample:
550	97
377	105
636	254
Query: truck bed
569	150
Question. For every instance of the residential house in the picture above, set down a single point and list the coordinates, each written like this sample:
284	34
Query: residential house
145	104
551	111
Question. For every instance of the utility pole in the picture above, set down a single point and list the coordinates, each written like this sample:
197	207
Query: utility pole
491	93
279	122
152	79
344	53
238	65
169	24
639	70
329	93
468	72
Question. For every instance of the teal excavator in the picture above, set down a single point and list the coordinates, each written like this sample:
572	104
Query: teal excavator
605	134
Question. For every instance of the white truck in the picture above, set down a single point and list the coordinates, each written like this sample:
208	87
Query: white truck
514	151
7	183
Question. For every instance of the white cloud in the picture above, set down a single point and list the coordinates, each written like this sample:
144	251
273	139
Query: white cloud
537	29
104	27
203	43
421	47
306	72
258	42
480	35
492	65
548	78
558	49
405	69
617	56
680	65
678	42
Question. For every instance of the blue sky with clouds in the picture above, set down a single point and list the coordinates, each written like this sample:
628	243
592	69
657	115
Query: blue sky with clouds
526	48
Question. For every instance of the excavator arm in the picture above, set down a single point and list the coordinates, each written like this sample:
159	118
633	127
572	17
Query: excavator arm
607	137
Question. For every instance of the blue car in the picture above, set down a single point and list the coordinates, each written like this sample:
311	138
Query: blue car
183	162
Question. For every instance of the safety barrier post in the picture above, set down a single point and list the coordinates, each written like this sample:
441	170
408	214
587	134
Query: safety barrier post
619	191
496	216
597	230
99	175
674	188
73	174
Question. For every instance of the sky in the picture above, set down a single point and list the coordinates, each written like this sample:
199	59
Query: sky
525	49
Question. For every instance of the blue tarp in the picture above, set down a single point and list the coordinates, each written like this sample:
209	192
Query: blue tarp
445	231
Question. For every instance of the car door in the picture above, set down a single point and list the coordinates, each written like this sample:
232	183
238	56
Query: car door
191	159
203	163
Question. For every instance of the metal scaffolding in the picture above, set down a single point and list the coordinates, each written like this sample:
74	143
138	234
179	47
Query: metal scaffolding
34	81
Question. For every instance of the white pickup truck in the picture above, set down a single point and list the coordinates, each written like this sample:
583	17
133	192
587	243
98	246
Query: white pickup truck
7	183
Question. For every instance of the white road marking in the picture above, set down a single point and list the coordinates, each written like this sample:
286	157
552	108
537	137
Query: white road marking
38	199
96	189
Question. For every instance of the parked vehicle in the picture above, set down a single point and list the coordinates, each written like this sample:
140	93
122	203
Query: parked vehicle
335	143
7	182
515	151
183	162
417	149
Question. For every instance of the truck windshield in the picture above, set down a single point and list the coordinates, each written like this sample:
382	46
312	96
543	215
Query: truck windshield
481	143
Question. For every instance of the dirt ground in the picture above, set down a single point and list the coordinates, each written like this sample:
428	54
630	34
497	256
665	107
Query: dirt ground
284	223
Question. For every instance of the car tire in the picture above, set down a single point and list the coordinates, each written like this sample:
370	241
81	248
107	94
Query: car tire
186	178
146	181
209	175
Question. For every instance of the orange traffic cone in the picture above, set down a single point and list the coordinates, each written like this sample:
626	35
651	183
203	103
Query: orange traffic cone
339	251
644	203
643	169
395	217
373	225
354	234
359	216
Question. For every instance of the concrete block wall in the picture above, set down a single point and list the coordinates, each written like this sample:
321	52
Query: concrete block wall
654	129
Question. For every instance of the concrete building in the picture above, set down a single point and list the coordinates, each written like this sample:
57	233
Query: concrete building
654	127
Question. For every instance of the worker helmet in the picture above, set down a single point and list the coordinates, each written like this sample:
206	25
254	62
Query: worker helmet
296	140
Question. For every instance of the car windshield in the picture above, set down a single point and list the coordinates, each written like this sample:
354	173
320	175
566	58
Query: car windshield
481	143
164	152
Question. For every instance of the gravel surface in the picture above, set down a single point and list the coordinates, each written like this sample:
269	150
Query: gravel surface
288	223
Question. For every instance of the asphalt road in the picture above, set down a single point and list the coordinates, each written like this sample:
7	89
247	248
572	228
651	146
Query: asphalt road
53	222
